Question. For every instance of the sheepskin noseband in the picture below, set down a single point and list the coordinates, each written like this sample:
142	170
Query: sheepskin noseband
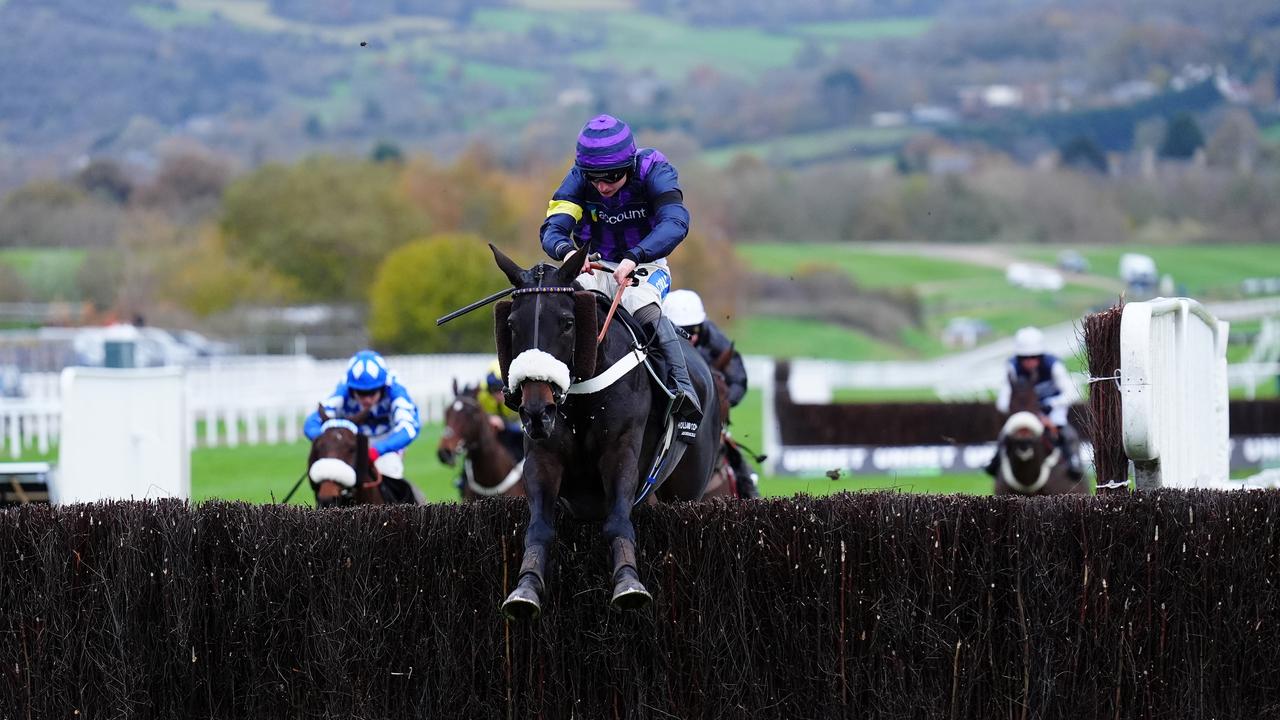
534	364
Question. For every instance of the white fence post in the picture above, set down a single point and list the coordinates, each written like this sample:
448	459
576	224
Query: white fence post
15	440
1173	381
232	421
210	427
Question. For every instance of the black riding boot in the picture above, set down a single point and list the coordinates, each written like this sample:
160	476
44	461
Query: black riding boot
747	479
685	407
1069	441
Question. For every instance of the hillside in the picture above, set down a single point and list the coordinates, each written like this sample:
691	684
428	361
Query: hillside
274	78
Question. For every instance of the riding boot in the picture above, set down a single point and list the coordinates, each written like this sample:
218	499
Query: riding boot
685	407
1069	441
747	480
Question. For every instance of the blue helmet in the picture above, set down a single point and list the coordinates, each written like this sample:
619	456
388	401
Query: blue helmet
367	371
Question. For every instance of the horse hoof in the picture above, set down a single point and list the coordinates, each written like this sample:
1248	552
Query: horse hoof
522	604
630	595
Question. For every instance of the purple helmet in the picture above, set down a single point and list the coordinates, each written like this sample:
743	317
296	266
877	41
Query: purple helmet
605	143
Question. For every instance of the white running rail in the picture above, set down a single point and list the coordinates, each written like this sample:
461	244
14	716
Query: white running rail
1173	387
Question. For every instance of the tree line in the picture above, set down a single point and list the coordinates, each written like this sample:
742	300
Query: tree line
406	236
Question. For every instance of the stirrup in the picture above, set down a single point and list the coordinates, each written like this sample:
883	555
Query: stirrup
685	408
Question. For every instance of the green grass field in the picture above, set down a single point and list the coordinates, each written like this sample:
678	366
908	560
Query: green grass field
1271	134
866	29
672	48
1204	271
867	268
49	273
167	18
792	337
808	147
263	473
946	288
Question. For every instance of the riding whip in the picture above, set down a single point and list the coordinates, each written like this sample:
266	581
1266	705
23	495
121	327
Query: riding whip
617	297
296	485
477	304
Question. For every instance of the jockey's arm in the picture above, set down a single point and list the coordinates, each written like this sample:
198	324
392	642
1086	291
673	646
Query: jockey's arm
405	424
1067	395
672	217
332	405
563	214
1004	396
735	375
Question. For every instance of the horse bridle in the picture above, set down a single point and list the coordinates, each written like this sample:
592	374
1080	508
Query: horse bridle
461	447
346	494
537	292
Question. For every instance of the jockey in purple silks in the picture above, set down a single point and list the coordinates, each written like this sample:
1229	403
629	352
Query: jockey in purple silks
626	205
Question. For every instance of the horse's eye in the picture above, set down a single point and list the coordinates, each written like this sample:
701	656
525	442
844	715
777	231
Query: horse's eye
566	324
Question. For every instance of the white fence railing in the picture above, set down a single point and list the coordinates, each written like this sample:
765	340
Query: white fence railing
249	400
264	400
1173	382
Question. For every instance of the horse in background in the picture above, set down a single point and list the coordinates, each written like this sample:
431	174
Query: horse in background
489	469
1029	459
339	467
723	482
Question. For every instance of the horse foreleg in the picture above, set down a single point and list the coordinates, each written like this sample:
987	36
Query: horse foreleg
628	592
542	485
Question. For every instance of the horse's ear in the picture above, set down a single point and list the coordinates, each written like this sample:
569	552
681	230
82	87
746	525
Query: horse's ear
502	335
455	387
584	346
572	267
514	273
324	413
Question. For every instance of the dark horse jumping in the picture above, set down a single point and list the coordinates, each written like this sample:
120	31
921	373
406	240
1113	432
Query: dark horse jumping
1028	458
489	468
590	438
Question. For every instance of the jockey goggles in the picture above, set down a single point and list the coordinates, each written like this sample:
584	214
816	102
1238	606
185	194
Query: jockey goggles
607	176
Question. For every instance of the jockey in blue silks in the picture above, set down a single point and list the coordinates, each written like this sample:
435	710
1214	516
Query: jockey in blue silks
1054	389
392	422
627	205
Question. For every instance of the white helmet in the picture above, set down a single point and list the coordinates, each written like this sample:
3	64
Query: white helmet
684	308
1029	342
